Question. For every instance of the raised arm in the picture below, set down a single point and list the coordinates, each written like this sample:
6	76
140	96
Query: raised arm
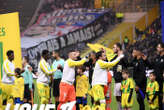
104	64
76	63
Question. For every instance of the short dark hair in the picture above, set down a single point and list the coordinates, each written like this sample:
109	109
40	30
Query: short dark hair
83	68
126	71
99	54
18	71
119	45
57	52
153	73
92	53
26	58
9	52
45	52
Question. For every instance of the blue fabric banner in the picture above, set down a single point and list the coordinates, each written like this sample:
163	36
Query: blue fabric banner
162	19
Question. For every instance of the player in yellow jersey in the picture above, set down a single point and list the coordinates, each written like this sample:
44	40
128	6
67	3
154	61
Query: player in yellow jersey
8	78
99	79
127	87
18	88
152	91
44	73
82	85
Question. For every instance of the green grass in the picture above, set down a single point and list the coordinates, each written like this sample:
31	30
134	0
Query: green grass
113	103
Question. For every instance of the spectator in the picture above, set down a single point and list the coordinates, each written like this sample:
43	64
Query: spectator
126	41
47	7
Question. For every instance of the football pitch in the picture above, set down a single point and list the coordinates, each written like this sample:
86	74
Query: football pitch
113	104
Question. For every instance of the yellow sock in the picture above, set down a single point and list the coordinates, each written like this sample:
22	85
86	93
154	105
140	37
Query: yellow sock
103	106
80	106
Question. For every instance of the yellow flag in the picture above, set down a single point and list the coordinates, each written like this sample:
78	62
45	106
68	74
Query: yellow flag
9	38
97	47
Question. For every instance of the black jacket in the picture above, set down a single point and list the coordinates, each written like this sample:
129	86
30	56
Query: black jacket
158	65
91	66
121	65
139	72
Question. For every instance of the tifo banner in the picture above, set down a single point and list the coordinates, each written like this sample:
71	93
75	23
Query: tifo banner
60	22
32	46
9	38
73	40
162	19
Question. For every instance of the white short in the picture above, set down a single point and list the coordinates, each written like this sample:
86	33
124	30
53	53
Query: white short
117	89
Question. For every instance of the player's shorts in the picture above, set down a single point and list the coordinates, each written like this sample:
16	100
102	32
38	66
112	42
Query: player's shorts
81	100
97	92
117	89
27	92
43	92
7	90
154	105
67	92
124	101
18	101
56	91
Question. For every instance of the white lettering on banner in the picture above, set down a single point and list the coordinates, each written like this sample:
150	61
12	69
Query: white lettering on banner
82	35
62	41
50	46
98	33
70	39
55	44
27	106
35	52
76	36
97	27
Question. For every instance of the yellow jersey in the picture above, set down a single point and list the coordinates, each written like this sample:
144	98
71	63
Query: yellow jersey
126	85
152	87
82	85
18	88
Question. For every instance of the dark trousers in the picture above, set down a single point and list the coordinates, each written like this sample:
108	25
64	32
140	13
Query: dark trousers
80	100
140	101
160	96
